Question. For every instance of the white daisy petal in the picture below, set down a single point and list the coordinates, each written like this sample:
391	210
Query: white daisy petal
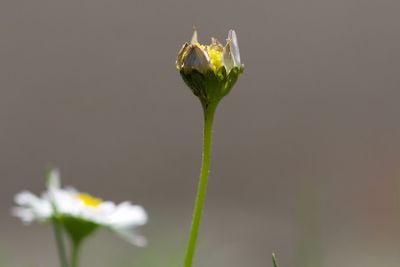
25	214
39	207
131	237
127	214
53	180
25	198
234	48
227	57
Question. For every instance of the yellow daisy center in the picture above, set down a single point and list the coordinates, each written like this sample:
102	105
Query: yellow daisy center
215	57
88	200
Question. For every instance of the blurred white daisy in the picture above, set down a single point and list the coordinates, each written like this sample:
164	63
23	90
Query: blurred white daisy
80	213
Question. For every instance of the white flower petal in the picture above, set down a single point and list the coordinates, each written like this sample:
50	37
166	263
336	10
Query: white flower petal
234	48
131	237
128	215
53	180
227	58
25	198
39	207
25	214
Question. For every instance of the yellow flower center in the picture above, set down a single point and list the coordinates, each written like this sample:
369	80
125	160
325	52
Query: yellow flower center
88	200
215	57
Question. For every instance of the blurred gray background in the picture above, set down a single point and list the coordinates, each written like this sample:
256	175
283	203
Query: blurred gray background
307	151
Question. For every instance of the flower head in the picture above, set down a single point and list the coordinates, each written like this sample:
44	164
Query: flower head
210	70
80	213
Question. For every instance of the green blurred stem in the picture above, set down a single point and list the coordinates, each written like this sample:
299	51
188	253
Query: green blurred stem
209	111
76	245
60	243
274	263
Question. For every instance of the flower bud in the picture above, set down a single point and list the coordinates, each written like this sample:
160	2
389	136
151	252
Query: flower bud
210	71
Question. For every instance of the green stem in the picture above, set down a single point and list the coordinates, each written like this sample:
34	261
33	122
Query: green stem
60	244
209	111
75	253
